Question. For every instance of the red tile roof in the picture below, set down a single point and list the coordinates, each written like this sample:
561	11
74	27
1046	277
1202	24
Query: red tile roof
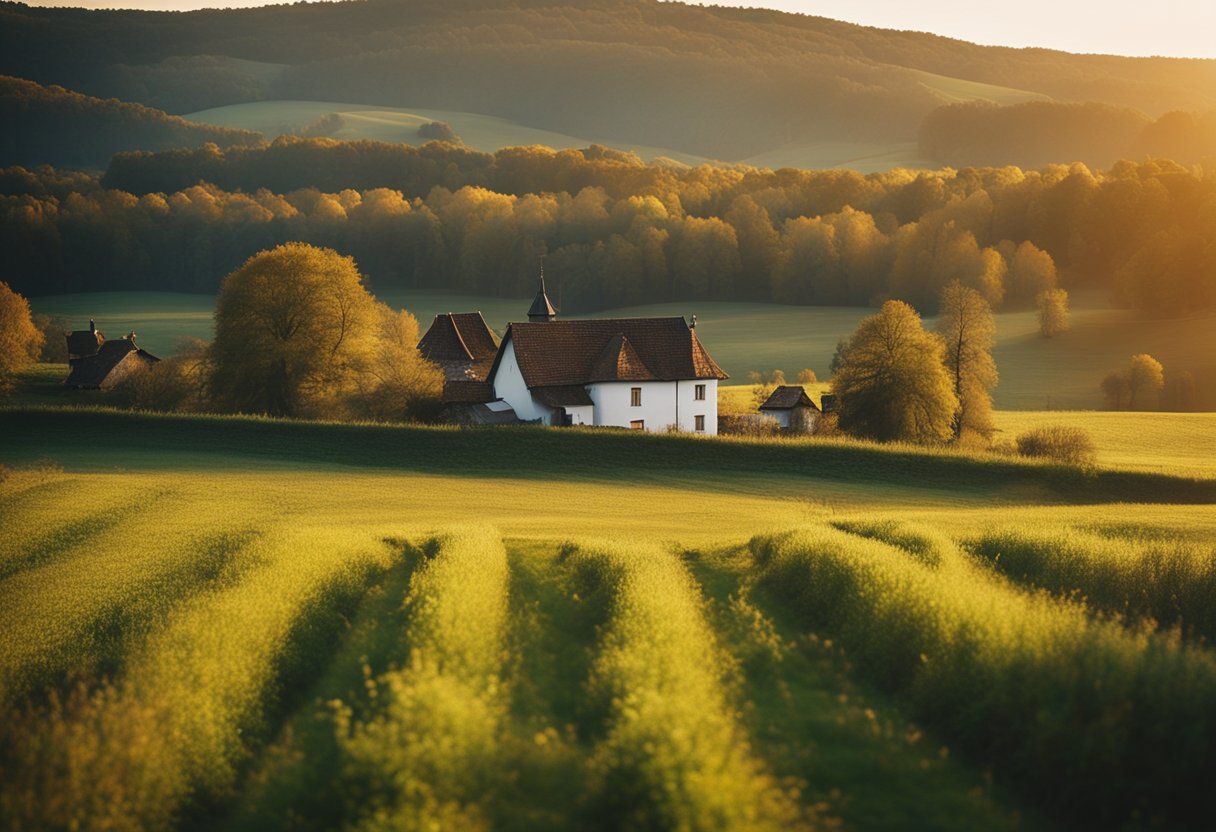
564	353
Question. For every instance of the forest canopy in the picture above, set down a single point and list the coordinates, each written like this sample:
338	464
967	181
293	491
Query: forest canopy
618	231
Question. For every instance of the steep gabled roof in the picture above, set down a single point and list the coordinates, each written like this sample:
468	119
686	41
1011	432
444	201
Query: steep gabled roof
458	336
619	361
787	397
564	353
541	306
92	371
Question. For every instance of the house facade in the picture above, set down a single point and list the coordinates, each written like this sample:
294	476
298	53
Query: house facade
641	373
792	408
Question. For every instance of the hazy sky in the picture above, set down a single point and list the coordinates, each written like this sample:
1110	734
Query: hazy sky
1184	28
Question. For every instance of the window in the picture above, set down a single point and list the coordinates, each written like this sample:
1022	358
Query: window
635	397
699	423
699	392
637	424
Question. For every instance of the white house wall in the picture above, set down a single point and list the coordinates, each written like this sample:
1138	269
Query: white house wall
664	403
509	385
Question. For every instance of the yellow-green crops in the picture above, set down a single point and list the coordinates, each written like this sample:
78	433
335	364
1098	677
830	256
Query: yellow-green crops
427	757
175	726
674	756
1104	723
1172	582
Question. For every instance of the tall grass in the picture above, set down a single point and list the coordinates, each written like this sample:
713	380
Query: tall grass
1170	582
1104	725
426	758
926	544
175	729
674	755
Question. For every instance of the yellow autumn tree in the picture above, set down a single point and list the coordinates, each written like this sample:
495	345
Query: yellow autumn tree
295	329
20	340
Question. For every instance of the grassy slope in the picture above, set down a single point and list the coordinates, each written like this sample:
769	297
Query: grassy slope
1036	373
390	124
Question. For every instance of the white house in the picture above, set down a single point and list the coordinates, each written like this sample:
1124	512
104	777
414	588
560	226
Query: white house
640	373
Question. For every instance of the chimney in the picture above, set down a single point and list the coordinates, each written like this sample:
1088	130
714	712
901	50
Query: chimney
693	324
92	328
131	335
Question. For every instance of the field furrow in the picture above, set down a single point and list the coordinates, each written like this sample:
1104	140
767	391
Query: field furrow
176	728
672	754
427	756
1082	715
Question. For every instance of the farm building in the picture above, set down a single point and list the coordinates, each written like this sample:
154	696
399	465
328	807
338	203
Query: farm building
97	364
792	408
463	346
640	373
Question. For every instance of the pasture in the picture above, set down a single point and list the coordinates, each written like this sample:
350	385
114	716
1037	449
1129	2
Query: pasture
252	624
1037	373
389	124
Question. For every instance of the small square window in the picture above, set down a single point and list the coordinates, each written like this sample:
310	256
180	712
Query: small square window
699	423
635	397
699	392
637	424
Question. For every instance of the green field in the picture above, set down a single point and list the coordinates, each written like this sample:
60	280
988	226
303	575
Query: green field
1036	373
254	624
389	124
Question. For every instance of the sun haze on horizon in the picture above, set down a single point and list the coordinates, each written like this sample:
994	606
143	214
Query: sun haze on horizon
1170	28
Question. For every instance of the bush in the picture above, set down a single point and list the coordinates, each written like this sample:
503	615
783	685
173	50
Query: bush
1071	446
748	424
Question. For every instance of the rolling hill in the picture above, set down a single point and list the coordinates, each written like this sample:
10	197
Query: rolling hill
722	83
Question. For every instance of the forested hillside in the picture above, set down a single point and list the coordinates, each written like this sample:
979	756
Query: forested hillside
723	83
59	126
617	231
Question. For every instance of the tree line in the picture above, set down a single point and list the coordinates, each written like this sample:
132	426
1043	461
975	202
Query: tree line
52	125
620	232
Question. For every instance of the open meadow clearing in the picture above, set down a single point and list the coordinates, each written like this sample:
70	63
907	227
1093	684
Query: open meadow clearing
255	624
1036	373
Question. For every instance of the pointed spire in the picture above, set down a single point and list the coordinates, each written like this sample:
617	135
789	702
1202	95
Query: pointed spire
542	308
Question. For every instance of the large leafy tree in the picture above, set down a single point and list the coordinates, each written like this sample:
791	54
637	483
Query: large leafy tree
966	325
891	382
295	329
20	340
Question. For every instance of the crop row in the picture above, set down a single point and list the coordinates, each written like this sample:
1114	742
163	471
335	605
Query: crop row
1101	723
673	755
1170	582
177	723
426	758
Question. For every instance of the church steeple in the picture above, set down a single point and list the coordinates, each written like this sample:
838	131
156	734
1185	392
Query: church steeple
542	308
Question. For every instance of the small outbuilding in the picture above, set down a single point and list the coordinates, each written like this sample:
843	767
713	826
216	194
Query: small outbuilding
97	364
792	408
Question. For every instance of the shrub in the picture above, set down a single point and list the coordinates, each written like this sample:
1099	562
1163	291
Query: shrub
1071	446
748	424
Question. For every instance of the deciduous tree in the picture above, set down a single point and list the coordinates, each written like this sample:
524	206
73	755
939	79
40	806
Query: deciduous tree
20	340
966	325
891	383
294	329
1053	312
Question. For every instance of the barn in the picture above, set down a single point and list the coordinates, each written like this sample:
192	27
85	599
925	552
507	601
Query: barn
97	364
792	408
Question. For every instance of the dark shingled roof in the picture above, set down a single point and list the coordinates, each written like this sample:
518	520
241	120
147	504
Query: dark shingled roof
571	395
458	336
93	371
787	397
568	353
84	342
541	306
467	392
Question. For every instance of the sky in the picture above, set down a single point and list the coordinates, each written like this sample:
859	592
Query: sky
1178	28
